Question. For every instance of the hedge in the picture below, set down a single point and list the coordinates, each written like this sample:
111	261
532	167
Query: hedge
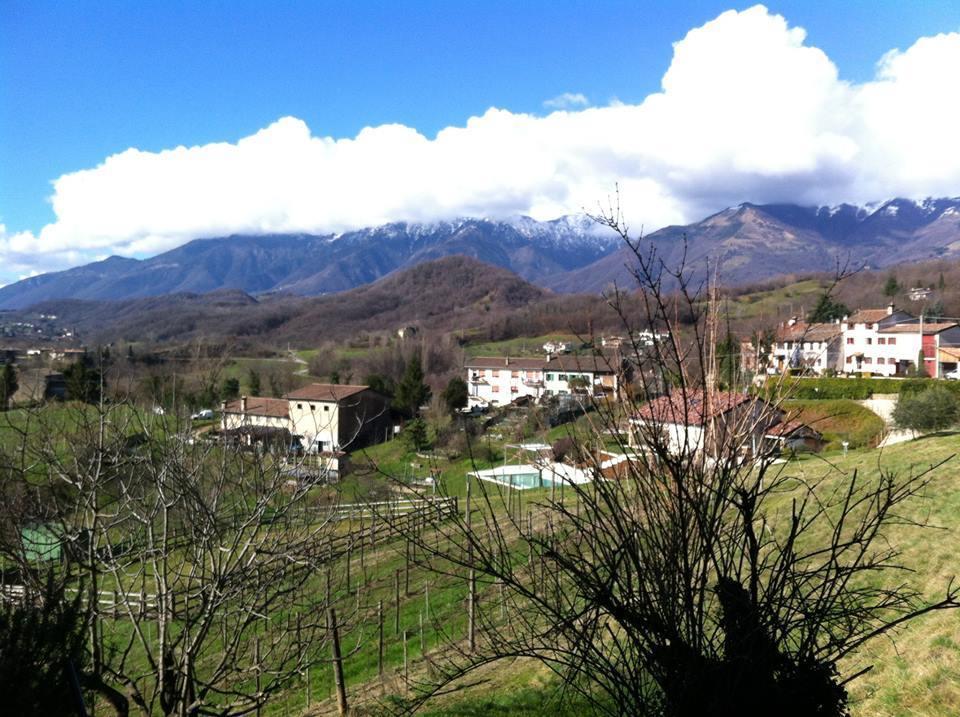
857	389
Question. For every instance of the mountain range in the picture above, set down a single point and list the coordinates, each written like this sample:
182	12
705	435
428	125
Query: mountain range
747	243
311	265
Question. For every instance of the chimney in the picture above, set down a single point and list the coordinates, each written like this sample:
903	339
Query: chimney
506	360
890	309
792	321
243	404
223	406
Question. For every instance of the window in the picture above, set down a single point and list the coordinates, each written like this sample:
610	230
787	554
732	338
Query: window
300	406
326	408
867	359
514	374
869	341
868	326
312	407
496	389
849	359
881	360
849	340
881	341
549	376
891	341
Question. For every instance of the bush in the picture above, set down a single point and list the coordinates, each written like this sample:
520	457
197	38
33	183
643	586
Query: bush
934	409
856	389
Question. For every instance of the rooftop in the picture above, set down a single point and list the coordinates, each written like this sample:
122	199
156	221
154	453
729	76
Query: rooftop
690	407
504	362
929	327
257	406
331	392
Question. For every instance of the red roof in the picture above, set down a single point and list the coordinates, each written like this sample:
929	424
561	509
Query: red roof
690	407
802	331
330	392
787	428
506	362
256	406
929	327
872	316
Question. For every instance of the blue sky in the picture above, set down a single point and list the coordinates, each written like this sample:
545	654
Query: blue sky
82	81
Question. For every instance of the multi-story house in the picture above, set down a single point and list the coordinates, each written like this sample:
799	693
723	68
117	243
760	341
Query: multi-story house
598	375
321	418
813	347
889	342
499	380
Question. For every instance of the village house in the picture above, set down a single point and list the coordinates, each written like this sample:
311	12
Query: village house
320	418
598	375
689	423
499	380
814	347
889	342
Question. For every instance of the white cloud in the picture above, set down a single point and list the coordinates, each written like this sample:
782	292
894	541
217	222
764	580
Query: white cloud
566	101
747	111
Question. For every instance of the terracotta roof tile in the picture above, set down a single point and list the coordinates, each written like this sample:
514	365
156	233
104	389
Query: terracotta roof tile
690	407
330	392
257	406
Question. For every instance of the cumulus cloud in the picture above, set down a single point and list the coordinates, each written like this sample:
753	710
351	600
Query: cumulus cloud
747	111
567	100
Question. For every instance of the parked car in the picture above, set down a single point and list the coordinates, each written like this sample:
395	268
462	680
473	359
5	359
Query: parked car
953	375
204	415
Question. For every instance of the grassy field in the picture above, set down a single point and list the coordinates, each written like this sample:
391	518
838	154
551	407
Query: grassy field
838	420
526	346
916	672
798	298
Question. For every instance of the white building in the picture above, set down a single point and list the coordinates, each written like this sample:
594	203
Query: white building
500	380
888	342
813	347
598	375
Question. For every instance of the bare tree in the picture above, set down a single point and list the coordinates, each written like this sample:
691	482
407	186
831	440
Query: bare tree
203	564
692	574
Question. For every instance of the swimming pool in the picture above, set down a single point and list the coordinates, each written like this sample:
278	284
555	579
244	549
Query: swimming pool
525	477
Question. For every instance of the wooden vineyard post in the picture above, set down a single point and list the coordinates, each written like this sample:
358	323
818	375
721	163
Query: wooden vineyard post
396	599
380	639
337	663
256	657
406	674
420	622
471	606
406	570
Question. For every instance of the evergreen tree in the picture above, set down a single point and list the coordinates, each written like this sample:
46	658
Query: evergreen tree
455	395
412	392
892	287
8	385
415	435
941	285
84	383
827	310
253	382
379	383
728	360
230	390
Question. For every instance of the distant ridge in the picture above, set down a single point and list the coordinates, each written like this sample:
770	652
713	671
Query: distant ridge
755	242
309	265
749	242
